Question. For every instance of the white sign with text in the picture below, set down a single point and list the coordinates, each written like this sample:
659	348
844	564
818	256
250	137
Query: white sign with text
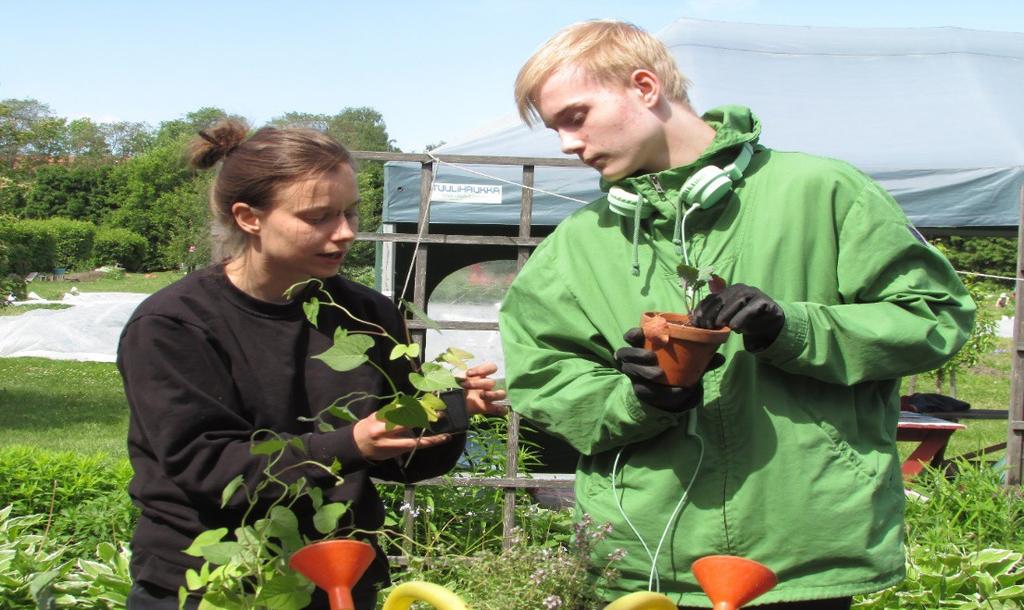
466	193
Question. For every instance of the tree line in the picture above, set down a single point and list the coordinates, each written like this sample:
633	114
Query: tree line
133	176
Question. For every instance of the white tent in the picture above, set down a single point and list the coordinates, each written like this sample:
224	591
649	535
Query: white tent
931	113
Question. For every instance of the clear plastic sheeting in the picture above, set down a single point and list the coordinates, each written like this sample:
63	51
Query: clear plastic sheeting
87	331
472	294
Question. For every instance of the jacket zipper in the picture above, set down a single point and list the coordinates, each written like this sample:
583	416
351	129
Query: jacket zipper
657	185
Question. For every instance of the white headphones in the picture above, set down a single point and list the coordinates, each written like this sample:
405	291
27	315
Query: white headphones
706	187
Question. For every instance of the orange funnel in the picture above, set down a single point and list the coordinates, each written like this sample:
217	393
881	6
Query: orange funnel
335	566
729	582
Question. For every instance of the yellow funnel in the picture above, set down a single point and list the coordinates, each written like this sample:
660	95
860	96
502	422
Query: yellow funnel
642	600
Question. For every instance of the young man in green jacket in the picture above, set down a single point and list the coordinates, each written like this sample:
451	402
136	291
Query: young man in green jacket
785	453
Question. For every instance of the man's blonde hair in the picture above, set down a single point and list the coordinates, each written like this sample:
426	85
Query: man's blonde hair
607	51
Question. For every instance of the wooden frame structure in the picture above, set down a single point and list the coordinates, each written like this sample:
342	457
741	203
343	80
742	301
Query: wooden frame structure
1015	422
524	241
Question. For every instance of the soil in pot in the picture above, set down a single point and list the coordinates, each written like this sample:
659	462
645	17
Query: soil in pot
683	351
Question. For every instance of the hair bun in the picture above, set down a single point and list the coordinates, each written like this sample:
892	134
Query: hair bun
216	142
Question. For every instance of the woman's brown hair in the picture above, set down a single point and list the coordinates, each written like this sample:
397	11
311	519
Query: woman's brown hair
254	168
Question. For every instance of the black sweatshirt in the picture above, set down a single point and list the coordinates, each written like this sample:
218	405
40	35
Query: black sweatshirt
204	366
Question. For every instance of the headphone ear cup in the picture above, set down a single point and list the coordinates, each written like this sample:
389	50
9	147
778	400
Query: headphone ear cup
706	187
715	190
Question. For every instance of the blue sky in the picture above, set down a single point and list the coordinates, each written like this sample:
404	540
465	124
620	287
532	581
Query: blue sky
435	70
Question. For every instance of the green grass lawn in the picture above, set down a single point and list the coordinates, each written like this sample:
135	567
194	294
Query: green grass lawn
126	282
80	406
20	309
63	405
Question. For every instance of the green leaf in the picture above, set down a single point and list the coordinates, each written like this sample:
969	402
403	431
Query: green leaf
282	522
420	315
230	489
997	561
215	601
285	591
411	350
221	553
42	581
456	357
192	581
106	551
326	518
403	411
296	443
312	309
687	273
267	447
348	351
435	378
205	539
432	404
705	274
342	413
316	496
324	427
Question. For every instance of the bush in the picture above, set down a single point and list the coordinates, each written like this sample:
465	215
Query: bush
73	240
992	255
10	283
117	246
30	246
88	495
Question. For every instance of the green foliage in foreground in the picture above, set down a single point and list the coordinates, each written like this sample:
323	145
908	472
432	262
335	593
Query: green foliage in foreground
84	496
965	538
36	573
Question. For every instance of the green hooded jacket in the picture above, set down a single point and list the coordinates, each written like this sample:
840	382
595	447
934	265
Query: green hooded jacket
793	458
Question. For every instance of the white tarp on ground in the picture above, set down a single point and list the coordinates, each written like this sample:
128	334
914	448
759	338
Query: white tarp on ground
88	330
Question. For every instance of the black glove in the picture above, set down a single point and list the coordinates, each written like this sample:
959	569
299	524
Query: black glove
744	309
641	366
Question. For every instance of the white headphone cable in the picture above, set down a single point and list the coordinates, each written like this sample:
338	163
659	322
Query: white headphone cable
622	511
653	579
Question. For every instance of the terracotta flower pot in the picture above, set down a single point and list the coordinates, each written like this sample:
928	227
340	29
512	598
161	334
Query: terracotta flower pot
683	351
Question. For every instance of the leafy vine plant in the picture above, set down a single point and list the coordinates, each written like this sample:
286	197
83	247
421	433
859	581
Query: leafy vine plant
251	571
692	279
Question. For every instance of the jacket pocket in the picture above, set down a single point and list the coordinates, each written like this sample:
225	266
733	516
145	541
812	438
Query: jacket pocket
835	427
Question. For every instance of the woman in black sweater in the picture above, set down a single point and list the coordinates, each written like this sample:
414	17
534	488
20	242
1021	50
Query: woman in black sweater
222	353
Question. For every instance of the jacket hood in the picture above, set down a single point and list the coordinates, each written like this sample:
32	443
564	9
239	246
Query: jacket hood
733	125
661	192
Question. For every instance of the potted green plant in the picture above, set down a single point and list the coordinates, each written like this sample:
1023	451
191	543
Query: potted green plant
684	350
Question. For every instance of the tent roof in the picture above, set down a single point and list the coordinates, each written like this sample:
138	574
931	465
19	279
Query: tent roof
932	113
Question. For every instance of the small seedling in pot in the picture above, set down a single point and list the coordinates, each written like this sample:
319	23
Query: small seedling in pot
691	280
